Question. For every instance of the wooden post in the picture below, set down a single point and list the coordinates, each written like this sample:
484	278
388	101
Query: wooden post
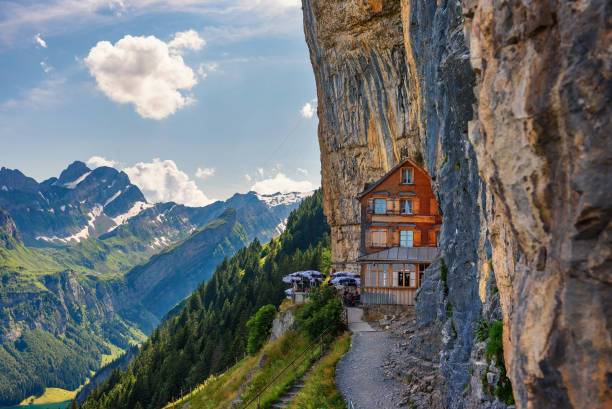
258	400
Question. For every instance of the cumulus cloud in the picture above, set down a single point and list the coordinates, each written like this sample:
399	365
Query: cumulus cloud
142	71
97	161
189	39
309	109
159	180
281	183
302	171
40	41
163	181
248	177
46	67
203	173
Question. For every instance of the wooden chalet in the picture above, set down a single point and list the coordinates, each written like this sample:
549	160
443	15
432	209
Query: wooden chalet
400	224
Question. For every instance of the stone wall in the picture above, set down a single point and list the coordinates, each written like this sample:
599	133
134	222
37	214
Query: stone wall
508	108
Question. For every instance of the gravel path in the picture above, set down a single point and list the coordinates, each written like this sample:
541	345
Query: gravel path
360	375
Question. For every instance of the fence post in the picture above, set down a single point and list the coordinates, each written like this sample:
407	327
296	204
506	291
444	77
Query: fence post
258	396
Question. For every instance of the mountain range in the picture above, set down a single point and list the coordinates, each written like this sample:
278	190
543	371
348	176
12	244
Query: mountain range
88	267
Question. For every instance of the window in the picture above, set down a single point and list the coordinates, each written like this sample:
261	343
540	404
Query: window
406	206
380	206
410	275
407	176
398	275
383	277
379	238
371	275
406	238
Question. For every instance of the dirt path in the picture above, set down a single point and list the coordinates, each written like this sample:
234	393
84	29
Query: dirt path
360	374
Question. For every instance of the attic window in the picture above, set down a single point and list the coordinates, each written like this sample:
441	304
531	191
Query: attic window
407	176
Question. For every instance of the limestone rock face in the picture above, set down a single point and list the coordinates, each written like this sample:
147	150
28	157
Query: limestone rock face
367	121
507	106
543	139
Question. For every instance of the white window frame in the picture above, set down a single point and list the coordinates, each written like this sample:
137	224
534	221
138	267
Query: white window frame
409	172
409	238
402	201
383	203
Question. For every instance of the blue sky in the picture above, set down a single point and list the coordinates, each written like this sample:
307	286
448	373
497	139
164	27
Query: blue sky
195	99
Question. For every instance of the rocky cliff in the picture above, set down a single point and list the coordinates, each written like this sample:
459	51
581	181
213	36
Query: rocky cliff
507	106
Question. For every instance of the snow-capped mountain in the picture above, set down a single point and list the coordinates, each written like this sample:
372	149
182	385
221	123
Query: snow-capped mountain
103	203
280	199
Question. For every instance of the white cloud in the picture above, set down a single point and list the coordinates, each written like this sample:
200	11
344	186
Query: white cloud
302	171
189	39
309	109
248	177
97	161
40	41
163	181
204	173
260	171
205	68
45	66
142	71
281	183
160	180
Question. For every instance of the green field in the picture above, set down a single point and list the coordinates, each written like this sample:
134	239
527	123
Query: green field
60	405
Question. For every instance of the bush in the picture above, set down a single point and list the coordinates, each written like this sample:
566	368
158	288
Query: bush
323	311
495	348
259	327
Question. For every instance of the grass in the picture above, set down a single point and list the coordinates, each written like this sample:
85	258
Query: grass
51	395
219	392
320	390
115	353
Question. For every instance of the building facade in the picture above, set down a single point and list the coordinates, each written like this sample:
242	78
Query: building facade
400	224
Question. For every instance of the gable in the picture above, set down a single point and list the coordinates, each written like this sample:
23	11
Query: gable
376	186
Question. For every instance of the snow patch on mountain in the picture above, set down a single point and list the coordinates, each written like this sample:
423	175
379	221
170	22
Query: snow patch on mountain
279	199
5	188
134	211
281	227
83	234
73	184
113	197
43	196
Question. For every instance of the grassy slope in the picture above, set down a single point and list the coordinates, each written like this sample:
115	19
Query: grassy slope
319	391
51	395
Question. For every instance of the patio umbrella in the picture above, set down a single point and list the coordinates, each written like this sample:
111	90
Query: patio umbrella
344	274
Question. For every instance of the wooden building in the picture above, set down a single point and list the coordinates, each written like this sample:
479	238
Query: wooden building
400	224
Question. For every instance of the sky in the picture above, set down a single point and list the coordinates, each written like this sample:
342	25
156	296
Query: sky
194	99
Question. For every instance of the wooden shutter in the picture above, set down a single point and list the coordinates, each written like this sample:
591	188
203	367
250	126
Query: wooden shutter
416	205
417	238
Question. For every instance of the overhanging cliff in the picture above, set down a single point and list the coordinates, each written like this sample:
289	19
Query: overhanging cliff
508	108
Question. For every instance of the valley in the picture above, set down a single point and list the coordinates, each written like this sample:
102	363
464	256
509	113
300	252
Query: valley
99	268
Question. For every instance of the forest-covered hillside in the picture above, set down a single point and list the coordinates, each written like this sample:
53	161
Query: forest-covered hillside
210	332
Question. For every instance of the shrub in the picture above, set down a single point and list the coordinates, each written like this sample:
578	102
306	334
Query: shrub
482	332
323	311
443	270
495	348
259	327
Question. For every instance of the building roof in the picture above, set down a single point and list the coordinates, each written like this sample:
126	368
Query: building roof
372	186
402	254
